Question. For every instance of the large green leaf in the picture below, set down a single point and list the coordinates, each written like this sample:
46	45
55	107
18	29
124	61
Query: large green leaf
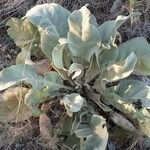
108	30
120	70
17	74
52	14
41	86
107	57
24	33
129	99
54	77
57	56
100	135
49	40
141	48
126	107
134	91
116	72
83	37
71	143
35	97
58	60
91	127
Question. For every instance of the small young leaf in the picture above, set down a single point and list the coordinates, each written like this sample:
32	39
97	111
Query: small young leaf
75	71
73	102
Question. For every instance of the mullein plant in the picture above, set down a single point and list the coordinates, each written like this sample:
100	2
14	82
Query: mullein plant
89	69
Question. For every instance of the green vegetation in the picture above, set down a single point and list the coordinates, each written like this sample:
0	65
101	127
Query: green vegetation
91	68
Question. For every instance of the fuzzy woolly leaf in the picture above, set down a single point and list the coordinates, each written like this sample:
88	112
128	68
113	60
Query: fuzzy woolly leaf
107	57
35	97
75	71
100	135
55	82
92	71
120	70
121	104
49	39
116	72
145	123
58	55
19	73
61	56
73	103
83	37
133	91
108	30
141	48
54	77
52	14
94	130
23	33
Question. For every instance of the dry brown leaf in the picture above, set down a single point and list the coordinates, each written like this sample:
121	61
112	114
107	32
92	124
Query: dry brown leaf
43	66
12	106
122	122
15	94
46	128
